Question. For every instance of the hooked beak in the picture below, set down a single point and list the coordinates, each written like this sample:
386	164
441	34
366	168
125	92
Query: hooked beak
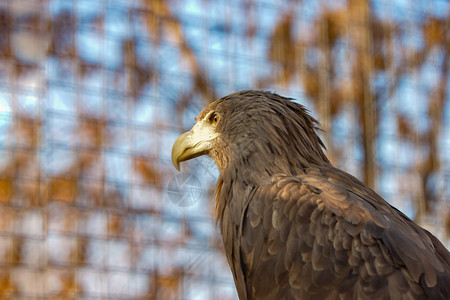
196	142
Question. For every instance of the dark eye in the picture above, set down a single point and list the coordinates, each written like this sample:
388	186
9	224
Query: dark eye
214	119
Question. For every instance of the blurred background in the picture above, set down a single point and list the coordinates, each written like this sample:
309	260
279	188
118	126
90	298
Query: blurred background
93	94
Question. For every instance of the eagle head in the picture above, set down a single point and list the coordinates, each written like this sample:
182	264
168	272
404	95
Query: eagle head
261	131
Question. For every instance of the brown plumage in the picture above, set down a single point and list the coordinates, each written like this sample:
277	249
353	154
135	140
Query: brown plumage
295	227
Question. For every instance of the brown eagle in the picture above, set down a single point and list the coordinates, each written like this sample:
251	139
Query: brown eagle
294	226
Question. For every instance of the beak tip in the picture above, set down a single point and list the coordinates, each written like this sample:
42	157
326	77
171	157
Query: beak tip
175	161
176	164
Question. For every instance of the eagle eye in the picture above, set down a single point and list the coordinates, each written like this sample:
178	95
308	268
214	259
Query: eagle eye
214	119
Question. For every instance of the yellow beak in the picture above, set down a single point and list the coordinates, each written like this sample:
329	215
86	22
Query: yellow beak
196	142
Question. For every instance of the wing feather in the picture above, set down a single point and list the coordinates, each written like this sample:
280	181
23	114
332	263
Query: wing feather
325	235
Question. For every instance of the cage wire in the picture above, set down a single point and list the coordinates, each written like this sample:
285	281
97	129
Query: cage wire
94	93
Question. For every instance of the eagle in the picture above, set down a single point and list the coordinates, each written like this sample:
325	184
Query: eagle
293	225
